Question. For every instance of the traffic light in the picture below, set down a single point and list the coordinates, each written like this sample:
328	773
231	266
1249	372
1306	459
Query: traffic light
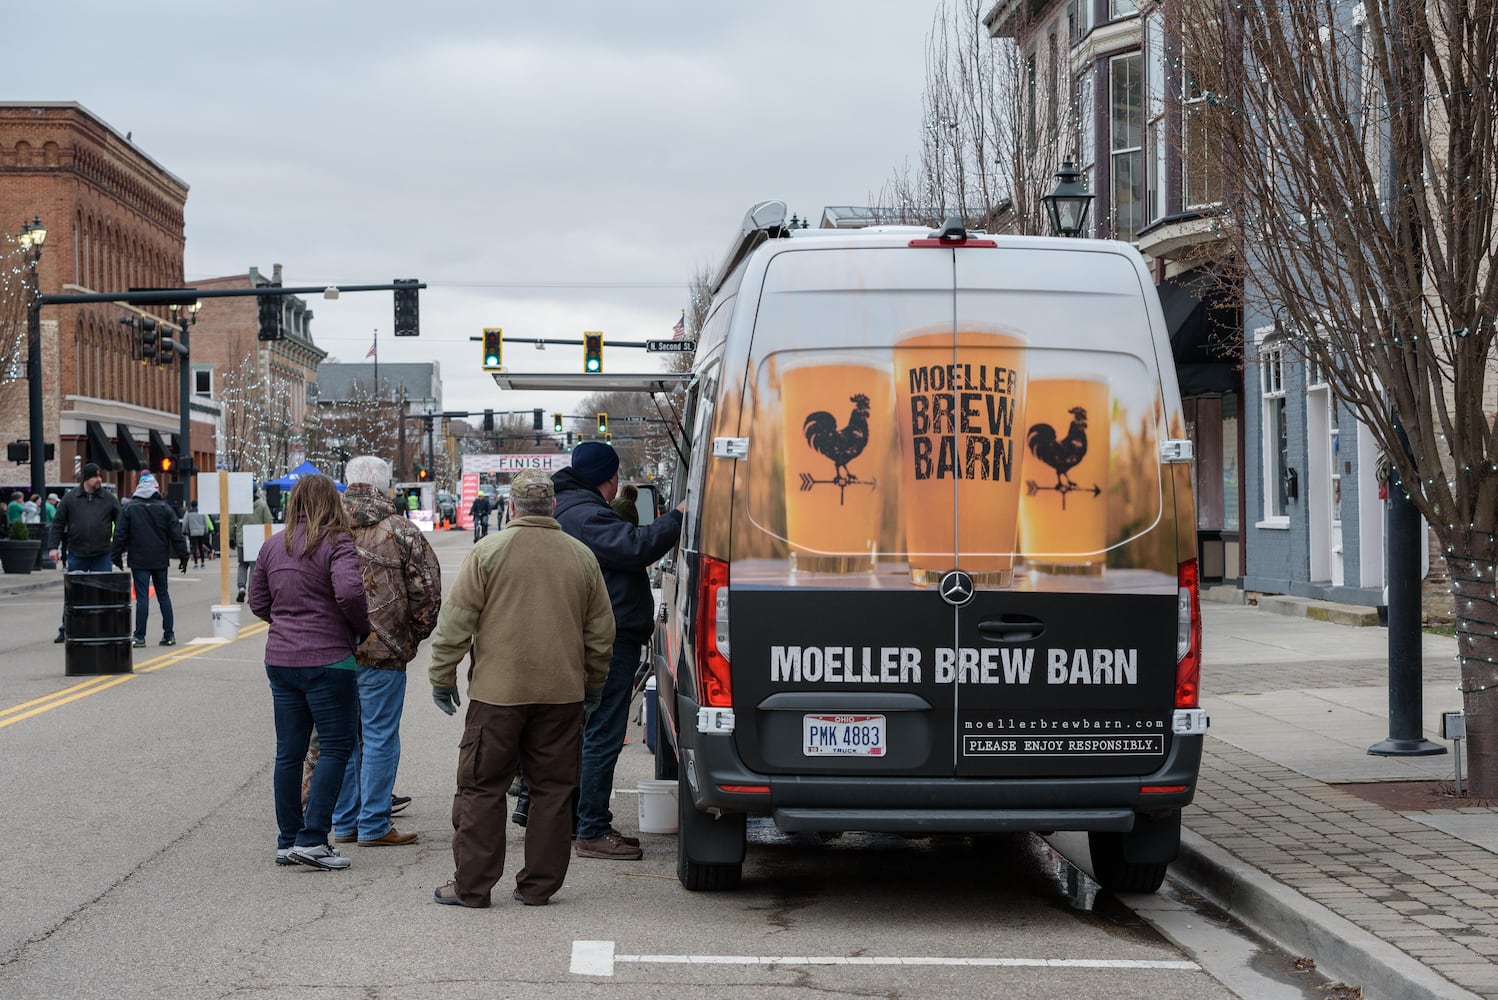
165	465
593	353
556	423
492	345
408	308
422	474
167	352
489	421
603	423
536	419
270	316
150	341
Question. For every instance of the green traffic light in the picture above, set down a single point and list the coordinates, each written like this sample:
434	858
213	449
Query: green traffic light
592	364
491	360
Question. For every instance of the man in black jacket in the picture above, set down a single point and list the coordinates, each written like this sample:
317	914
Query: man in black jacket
624	552
84	523
150	534
480	511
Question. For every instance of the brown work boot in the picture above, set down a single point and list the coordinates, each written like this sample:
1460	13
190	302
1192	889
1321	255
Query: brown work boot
392	838
611	847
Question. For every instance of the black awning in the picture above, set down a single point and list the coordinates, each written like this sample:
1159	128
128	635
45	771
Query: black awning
129	450
100	449
159	448
1203	334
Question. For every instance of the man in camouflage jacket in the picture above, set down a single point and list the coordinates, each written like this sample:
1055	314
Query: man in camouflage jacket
403	585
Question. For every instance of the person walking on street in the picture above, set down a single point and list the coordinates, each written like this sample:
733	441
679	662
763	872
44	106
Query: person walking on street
308	588
403	588
16	509
532	608
196	526
480	511
624	552
151	536
259	514
84	526
32	514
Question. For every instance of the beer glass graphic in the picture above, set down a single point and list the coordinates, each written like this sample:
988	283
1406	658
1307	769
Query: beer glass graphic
1063	511
837	443
960	405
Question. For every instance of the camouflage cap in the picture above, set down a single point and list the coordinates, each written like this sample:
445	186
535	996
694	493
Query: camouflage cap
531	484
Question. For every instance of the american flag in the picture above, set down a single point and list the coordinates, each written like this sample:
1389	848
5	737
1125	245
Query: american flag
372	347
680	329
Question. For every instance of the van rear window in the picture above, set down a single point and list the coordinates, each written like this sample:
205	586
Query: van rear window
898	430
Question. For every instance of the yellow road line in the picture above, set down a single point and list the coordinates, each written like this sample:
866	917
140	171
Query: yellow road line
94	685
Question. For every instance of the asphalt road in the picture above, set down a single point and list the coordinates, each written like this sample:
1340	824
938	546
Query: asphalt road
139	841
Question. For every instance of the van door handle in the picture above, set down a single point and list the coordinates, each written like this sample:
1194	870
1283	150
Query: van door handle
1011	628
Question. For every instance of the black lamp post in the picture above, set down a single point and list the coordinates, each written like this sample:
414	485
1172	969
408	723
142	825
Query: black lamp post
33	235
1068	202
184	317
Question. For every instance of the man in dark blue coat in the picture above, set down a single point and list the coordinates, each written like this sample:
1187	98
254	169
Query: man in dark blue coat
149	533
624	552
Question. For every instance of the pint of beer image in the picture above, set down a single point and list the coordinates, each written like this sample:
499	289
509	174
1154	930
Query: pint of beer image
960	406
1063	510
837	439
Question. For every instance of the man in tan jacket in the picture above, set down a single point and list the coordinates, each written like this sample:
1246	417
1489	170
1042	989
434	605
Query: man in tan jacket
531	608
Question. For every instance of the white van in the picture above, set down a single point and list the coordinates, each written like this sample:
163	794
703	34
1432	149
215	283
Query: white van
938	568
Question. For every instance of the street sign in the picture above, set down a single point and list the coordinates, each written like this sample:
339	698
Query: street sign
671	346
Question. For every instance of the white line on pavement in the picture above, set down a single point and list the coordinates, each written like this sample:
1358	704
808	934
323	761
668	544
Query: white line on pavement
598	958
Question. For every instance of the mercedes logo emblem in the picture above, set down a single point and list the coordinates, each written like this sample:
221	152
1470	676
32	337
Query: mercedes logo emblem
956	588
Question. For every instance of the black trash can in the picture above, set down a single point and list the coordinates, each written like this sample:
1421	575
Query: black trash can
96	610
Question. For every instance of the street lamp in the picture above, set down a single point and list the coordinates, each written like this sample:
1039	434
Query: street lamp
1068	202
33	235
185	316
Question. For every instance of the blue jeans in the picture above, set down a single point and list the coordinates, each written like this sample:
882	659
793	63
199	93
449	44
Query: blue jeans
144	578
369	779
603	738
85	564
304	697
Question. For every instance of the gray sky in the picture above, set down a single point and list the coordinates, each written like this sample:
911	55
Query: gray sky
545	167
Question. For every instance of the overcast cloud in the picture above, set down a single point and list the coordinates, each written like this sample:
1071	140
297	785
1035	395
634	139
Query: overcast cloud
545	167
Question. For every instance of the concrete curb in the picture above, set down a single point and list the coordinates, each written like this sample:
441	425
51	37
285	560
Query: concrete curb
1300	926
51	579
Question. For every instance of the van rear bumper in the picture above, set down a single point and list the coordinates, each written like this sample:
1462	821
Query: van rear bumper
919	804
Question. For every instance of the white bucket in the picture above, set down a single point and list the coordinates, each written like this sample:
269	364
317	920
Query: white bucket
657	806
226	621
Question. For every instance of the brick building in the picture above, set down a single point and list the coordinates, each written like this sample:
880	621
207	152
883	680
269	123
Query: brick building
261	385
114	220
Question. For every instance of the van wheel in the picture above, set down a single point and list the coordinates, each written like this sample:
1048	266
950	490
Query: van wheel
665	750
1136	861
709	850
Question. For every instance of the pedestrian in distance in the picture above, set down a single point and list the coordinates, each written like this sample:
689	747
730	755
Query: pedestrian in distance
307	586
197	526
16	509
150	536
32	512
625	503
259	514
84	527
403	589
531	607
480	511
624	551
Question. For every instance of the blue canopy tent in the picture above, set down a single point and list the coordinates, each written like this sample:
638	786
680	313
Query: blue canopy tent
287	481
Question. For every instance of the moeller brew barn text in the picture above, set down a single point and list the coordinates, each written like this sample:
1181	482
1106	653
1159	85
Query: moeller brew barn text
965	665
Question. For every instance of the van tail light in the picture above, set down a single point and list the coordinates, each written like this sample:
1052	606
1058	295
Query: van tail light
1188	636
714	684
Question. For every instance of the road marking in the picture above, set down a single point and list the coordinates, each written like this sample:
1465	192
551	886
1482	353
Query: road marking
36	706
598	958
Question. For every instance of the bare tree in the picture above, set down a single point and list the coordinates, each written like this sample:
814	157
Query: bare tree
992	135
15	291
1361	144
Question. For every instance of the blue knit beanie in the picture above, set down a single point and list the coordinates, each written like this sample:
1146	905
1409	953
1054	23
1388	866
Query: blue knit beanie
595	461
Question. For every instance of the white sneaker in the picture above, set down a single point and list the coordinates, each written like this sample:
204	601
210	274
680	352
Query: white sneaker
320	856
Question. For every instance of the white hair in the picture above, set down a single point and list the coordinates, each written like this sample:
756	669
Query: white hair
369	469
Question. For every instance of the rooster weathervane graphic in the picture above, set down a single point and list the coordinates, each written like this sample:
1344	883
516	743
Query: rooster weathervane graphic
1061	454
841	446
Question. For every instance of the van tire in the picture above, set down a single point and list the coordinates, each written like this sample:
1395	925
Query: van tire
1136	861
699	835
665	749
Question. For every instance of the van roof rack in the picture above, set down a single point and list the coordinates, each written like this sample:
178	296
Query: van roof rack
763	221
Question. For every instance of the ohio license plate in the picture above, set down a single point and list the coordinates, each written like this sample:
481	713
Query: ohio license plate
845	735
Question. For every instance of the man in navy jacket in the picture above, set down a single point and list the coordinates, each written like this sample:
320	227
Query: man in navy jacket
150	534
624	552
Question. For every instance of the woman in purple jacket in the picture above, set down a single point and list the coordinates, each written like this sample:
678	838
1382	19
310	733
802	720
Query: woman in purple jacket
307	586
